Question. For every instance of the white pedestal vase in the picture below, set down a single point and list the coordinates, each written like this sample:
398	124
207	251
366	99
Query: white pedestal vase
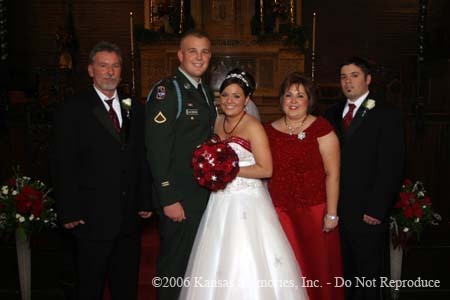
24	264
396	258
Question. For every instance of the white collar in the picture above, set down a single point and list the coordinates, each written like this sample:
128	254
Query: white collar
358	101
104	97
191	80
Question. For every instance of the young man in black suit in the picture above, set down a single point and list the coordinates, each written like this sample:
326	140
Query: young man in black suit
372	157
101	178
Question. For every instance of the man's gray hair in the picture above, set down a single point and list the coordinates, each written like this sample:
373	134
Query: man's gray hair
104	46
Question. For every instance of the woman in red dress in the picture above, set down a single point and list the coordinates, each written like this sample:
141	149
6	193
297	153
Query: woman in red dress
305	187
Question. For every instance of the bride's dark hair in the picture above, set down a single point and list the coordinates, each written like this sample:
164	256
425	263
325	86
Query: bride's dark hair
241	78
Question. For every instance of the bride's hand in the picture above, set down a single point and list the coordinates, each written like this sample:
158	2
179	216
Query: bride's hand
330	222
175	212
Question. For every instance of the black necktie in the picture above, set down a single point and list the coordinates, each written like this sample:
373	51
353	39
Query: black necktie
113	115
200	90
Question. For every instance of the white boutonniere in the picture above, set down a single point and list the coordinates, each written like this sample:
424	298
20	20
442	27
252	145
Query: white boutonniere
370	103
126	106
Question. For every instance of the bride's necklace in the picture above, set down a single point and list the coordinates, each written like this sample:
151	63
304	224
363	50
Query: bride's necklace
292	129
234	127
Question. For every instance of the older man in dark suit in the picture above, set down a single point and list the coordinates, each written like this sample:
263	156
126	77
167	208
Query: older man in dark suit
372	150
101	178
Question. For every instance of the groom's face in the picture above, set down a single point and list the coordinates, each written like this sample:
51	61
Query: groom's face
194	56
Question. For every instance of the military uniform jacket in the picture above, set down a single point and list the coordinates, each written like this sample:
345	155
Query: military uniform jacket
171	141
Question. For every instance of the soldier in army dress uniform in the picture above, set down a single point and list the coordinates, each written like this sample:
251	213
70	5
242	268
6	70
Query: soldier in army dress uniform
180	116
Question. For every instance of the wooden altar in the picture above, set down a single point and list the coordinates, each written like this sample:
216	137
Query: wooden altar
268	59
269	63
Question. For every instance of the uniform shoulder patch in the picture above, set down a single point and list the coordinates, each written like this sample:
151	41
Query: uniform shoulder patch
160	92
160	118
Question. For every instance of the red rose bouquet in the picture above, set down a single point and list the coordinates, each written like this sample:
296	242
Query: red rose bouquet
215	164
411	213
25	206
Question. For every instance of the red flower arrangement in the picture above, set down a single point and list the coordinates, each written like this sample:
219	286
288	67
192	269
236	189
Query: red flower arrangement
25	206
411	213
215	164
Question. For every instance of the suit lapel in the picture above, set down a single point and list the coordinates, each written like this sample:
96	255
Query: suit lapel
126	123
99	111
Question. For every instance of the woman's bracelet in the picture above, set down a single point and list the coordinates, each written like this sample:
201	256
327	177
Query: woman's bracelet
332	217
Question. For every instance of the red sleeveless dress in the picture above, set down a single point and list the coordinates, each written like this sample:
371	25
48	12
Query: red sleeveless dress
297	188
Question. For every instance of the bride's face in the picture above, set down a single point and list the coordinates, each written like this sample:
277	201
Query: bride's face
295	102
233	100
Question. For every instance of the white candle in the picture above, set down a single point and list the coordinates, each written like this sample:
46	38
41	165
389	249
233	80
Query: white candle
131	32
151	14
314	33
261	13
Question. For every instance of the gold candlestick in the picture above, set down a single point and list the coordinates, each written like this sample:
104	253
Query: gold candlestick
133	83
313	56
314	33
131	32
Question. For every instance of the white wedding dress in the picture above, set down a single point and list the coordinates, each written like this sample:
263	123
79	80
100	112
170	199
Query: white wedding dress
240	251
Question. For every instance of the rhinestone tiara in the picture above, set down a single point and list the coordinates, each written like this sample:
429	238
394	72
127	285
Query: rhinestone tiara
238	76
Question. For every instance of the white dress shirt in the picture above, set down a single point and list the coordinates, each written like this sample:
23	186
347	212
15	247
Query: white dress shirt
357	103
115	105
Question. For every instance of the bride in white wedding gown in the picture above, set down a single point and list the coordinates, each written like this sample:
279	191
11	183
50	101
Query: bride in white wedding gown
240	251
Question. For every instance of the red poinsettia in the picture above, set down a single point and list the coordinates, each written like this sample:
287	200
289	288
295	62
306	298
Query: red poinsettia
411	213
215	164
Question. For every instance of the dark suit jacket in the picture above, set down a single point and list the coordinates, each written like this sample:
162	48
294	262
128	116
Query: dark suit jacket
173	141
372	157
99	176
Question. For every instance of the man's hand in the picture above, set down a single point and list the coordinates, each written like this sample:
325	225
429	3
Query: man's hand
73	224
370	220
145	214
175	212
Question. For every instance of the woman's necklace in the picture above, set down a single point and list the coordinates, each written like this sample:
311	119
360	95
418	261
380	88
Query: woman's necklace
301	135
234	127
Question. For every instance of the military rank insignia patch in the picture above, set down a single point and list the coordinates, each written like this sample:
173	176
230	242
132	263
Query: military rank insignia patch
160	92
160	118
